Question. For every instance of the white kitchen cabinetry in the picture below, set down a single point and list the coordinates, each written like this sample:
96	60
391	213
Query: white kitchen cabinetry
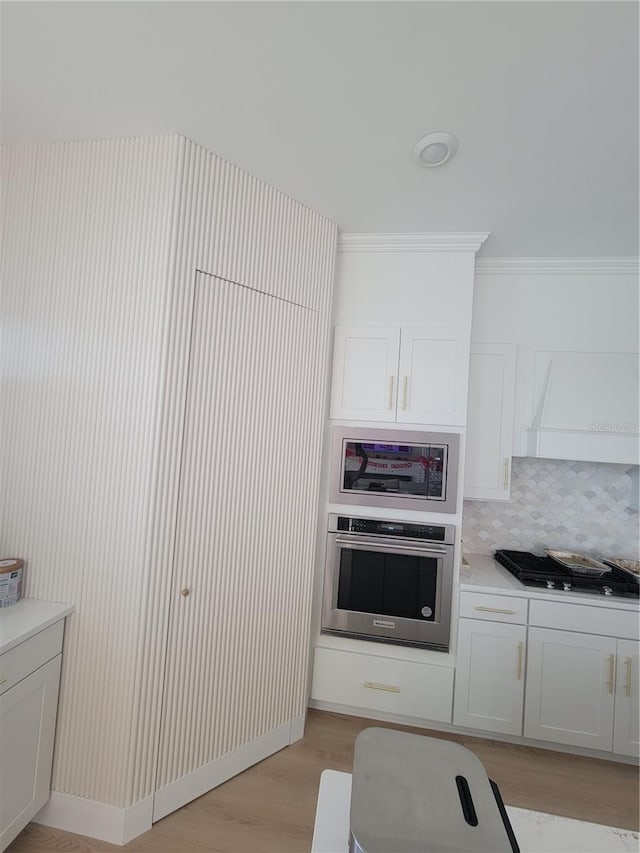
403	375
580	677
570	688
29	679
365	682
492	372
579	662
626	734
489	692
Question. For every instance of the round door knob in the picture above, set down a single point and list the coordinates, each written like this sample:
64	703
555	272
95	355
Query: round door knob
185	592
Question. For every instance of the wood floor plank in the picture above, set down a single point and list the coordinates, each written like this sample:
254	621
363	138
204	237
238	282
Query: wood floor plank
270	808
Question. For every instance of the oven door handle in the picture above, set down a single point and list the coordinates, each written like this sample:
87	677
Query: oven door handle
388	546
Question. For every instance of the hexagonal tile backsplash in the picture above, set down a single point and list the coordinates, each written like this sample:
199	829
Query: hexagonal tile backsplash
569	506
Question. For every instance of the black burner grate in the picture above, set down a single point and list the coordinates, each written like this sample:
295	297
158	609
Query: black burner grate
543	571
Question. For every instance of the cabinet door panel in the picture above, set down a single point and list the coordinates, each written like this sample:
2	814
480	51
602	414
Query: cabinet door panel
490	676
27	730
365	366
238	628
490	421
626	734
432	379
569	693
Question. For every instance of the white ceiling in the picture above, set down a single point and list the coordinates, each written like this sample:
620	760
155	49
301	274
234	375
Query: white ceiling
326	100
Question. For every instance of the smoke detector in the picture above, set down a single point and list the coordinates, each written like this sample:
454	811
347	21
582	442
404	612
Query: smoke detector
435	149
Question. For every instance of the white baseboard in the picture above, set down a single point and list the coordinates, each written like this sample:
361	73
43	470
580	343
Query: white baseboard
120	825
95	819
415	722
182	791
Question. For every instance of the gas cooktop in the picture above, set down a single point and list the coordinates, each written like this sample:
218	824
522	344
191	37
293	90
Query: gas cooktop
544	572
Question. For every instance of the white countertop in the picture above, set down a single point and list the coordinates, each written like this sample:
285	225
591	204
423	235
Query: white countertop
484	574
26	618
534	831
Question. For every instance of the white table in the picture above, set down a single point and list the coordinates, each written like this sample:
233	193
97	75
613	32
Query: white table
534	831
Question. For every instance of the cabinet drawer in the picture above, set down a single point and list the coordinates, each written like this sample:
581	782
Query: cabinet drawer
26	657
496	608
585	618
383	684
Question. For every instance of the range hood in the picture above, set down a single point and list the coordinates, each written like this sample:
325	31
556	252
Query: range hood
588	409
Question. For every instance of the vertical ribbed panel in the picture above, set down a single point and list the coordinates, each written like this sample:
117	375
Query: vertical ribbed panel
237	228
101	244
85	282
243	519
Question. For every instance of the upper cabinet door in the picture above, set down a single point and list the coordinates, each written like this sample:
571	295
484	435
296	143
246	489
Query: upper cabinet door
365	371
492	370
413	376
433	374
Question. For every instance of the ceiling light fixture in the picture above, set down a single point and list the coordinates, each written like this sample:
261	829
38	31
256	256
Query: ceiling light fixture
434	149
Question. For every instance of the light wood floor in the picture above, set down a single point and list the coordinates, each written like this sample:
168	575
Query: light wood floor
270	808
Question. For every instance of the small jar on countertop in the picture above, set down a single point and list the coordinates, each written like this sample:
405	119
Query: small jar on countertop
11	569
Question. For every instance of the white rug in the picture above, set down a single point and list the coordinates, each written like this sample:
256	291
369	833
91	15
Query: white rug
535	831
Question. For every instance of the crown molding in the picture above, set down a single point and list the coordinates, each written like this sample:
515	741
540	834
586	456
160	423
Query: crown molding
558	266
431	242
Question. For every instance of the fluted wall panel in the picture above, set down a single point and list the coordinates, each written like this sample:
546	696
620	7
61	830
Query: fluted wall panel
84	300
244	232
103	241
245	509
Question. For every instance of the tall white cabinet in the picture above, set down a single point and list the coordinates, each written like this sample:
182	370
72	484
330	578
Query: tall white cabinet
492	379
166	376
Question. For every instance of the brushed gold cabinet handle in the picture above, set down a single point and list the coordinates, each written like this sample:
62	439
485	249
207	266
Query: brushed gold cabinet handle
506	474
404	393
496	610
627	688
520	650
612	673
3	679
391	392
373	685
185	592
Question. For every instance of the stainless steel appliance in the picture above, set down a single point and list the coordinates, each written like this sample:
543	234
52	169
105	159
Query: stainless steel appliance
396	469
415	793
389	581
547	573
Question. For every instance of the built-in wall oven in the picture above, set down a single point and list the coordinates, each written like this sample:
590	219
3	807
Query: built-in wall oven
389	581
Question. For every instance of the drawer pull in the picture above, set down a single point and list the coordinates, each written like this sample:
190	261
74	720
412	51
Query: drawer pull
3	679
612	673
627	688
496	610
520	649
505	478
373	685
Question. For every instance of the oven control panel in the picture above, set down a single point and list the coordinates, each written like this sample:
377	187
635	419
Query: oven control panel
402	529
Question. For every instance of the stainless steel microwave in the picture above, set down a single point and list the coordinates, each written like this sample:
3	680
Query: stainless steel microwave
395	469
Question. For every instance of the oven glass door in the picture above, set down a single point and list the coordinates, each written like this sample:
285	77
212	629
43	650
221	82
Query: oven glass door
388	589
390	582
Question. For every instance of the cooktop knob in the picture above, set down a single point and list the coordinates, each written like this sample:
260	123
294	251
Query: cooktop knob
566	585
607	590
550	585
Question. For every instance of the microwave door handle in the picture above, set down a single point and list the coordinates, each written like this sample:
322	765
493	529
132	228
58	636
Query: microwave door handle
387	546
